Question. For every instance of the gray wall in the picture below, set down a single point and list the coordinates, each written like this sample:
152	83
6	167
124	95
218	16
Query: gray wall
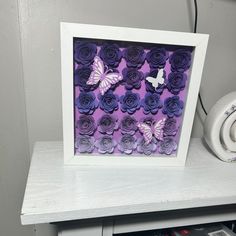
33	112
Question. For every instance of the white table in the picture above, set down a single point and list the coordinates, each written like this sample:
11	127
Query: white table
103	201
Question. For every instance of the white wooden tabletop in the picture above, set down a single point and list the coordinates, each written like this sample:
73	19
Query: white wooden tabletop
55	192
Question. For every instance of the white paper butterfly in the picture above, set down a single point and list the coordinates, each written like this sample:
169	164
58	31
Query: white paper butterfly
155	129
158	80
105	78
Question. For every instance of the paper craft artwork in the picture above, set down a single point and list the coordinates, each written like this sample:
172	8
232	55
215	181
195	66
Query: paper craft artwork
129	97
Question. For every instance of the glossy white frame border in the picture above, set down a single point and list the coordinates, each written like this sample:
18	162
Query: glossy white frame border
71	30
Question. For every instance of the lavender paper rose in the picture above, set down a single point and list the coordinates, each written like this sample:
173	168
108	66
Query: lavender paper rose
145	148
85	144
132	78
127	144
128	125
167	146
130	102
108	101
86	103
86	125
149	86
134	56
105	144
170	127
151	103
157	57
173	106
84	52
180	60
107	124
176	82
111	55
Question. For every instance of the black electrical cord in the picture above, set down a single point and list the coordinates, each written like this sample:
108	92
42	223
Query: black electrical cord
195	31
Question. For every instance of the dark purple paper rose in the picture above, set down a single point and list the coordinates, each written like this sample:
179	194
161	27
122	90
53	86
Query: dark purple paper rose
108	101
132	78
85	144
151	103
157	57
127	144
170	127
107	124
86	125
180	60
110	54
145	148
105	144
86	103
176	82
167	146
134	56
130	102
128	125
84	52
150	88
173	106
149	120
81	76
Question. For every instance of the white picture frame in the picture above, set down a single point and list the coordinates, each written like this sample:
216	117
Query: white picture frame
71	30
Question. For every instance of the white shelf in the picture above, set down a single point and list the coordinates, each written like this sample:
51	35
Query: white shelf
56	193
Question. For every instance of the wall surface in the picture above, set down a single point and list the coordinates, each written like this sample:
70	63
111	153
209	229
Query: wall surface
40	45
14	148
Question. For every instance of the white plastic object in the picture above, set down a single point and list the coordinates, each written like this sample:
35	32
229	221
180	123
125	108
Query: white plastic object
220	128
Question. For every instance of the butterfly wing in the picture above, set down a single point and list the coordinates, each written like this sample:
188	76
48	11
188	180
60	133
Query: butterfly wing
109	79
98	71
153	81
160	78
147	132
158	129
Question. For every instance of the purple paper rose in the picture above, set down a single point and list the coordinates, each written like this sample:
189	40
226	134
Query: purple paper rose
132	78
86	103
128	125
110	54
160	87
176	82
105	144
84	52
151	103
108	101
130	102
170	127
107	124
134	56
157	57
145	148
127	144
173	106
81	76
85	144
167	146
180	60
86	125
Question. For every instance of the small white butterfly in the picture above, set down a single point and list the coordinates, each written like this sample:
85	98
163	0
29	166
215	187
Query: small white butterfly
159	80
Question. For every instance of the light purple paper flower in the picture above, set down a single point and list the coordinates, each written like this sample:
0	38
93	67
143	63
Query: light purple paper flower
145	148
128	125
170	127
107	124
84	144
105	144
167	146
86	125
127	144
